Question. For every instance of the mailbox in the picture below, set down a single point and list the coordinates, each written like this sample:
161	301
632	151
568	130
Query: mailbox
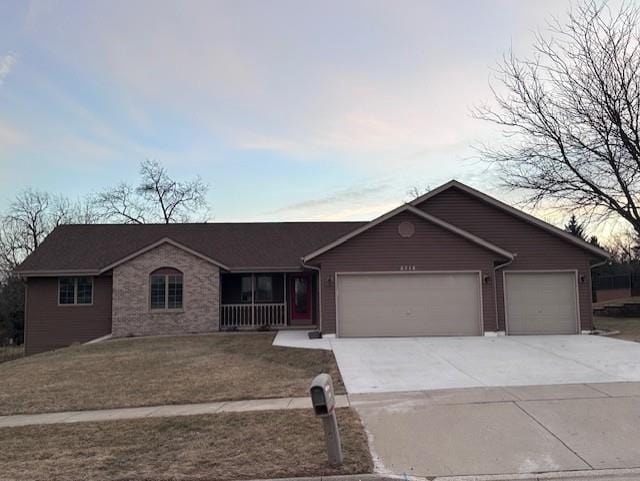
322	396
323	400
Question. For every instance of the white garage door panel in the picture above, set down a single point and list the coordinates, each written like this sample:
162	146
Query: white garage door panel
541	303
409	305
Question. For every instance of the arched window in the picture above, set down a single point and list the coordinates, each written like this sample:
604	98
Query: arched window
165	288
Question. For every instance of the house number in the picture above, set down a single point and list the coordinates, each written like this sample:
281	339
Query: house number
407	268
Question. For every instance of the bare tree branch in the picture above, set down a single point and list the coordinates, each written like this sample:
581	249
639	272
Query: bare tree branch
571	114
157	198
120	204
176	201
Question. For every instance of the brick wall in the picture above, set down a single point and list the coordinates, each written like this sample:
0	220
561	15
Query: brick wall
132	315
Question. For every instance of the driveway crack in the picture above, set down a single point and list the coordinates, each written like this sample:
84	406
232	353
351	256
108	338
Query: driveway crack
552	434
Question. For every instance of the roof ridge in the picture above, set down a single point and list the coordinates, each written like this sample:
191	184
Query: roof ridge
515	212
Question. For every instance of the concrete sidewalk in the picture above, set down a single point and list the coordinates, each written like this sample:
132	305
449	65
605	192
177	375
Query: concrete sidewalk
163	411
593	475
504	431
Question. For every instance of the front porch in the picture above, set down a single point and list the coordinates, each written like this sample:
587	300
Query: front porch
268	299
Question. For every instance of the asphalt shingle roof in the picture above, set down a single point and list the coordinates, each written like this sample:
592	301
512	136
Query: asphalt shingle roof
236	245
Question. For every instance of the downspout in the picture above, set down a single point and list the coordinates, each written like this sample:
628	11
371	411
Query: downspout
317	269
591	267
598	264
495	290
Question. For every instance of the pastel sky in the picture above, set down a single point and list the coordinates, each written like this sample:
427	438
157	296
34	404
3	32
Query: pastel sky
291	110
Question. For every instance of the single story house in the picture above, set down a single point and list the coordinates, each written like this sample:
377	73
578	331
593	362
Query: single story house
453	262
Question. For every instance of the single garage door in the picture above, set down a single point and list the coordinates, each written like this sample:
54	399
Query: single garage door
409	304
541	303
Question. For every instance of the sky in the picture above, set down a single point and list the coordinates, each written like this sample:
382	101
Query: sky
290	110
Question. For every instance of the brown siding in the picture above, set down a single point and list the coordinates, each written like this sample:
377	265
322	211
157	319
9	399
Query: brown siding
536	248
50	326
382	249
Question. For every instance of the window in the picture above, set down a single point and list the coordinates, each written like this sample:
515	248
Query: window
246	289
158	288
75	290
165	291
264	289
174	292
239	288
84	290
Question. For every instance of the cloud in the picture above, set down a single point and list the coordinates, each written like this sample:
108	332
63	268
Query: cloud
356	202
7	62
277	79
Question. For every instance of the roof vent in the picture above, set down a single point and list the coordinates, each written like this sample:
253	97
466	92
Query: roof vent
406	229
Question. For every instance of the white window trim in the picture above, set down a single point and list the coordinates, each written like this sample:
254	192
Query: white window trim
166	307
75	292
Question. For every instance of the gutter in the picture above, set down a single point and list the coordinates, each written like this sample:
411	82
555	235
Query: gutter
495	288
317	269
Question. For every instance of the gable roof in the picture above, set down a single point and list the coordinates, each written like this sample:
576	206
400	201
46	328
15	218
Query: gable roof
428	217
515	212
164	240
90	249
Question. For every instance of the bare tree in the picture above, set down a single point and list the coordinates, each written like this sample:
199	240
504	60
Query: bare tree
176	201
12	250
157	198
120	204
83	211
29	217
572	112
624	247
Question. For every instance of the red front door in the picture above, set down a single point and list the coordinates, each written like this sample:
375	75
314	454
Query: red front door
301	308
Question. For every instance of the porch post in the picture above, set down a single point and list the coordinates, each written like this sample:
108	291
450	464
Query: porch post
253	303
286	290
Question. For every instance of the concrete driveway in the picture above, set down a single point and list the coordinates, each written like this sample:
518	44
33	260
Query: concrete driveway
534	404
482	431
414	364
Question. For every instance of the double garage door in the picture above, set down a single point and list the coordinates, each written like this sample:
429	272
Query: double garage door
450	304
409	304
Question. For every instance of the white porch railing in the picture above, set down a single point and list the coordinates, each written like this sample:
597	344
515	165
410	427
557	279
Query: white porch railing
252	315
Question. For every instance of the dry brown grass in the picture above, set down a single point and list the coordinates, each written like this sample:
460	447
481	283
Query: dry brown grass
161	370
629	327
225	446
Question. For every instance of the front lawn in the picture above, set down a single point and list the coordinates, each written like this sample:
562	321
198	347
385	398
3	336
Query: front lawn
226	446
161	370
629	327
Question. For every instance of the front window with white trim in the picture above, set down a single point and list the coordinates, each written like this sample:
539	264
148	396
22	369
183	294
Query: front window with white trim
75	290
165	289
